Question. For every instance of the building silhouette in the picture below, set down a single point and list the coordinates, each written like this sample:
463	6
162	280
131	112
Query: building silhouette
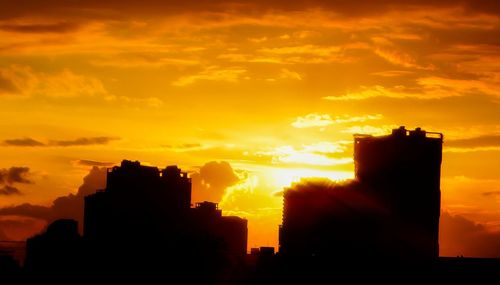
403	171
58	249
389	211
143	222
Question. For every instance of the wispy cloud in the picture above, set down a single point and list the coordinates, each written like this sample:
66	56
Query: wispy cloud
313	154
323	120
313	120
23	142
25	81
83	141
213	73
34	28
400	58
479	143
86	162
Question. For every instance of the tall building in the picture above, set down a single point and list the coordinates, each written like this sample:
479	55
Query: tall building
403	170
143	221
138	201
391	210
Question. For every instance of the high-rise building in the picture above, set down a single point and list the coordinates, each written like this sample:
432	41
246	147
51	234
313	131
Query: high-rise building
138	201
403	171
145	215
391	210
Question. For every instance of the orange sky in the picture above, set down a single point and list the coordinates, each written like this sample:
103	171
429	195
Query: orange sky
274	88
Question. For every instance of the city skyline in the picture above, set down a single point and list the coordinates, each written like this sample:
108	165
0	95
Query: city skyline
247	97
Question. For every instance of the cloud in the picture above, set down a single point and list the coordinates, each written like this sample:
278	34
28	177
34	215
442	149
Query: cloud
323	120
23	142
27	210
144	60
318	154
17	228
15	174
22	80
491	193
369	130
185	147
302	50
212	180
213	73
475	142
392	73
70	206
83	141
372	92
288	74
3	235
313	54
461	236
121	9
427	88
400	58
86	162
253	199
457	87
313	120
7	86
9	190
59	27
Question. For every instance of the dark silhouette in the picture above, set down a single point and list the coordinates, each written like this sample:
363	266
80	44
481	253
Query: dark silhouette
143	222
58	250
390	211
9	268
380	225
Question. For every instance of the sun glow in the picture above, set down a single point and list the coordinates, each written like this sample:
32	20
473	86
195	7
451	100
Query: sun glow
284	177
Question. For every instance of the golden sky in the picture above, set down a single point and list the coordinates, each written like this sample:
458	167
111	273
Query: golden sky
274	88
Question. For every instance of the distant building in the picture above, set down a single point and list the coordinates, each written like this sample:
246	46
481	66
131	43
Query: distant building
56	251
232	231
9	268
391	210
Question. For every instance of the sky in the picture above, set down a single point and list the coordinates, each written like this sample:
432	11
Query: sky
246	96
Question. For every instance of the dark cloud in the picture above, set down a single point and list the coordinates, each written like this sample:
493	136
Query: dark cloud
83	141
70	206
29	142
116	9
23	142
491	193
14	174
7	86
19	228
461	236
60	27
27	210
86	162
481	141
211	181
3	235
9	190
